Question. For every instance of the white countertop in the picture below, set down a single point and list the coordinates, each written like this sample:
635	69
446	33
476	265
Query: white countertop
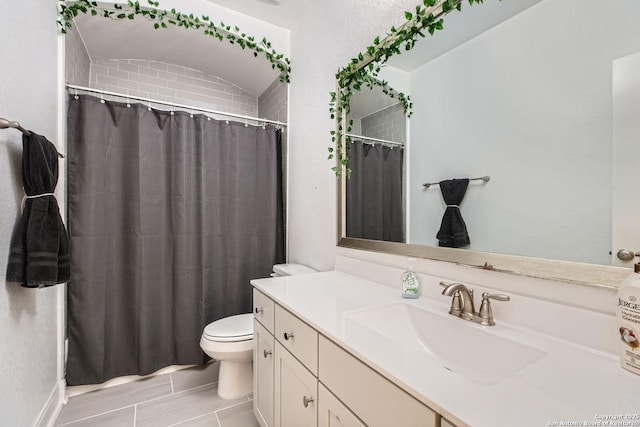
570	384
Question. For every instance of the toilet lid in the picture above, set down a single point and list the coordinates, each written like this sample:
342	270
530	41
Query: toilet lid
232	328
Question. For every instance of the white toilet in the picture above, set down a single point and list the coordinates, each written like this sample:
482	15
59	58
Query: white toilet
230	340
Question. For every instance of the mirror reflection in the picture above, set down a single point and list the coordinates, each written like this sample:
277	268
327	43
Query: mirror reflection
540	96
375	146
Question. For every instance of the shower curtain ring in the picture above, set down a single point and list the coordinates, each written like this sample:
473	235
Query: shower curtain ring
128	102
191	112
76	95
102	101
149	106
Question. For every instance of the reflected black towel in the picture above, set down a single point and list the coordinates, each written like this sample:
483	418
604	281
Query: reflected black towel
453	230
39	254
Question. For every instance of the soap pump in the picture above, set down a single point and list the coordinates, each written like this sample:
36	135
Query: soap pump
410	283
628	314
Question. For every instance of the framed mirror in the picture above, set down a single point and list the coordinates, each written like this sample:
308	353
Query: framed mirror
538	95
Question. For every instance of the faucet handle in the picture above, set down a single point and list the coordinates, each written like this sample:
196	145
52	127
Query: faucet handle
485	313
497	297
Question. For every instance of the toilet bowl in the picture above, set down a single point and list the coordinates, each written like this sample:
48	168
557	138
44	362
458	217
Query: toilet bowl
230	341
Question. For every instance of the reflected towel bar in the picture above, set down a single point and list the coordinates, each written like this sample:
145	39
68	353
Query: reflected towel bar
481	178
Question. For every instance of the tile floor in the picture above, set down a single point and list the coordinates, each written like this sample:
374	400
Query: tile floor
186	398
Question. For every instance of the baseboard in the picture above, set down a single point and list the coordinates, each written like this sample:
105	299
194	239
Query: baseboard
52	407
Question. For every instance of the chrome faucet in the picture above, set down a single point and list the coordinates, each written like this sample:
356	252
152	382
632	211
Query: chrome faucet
462	303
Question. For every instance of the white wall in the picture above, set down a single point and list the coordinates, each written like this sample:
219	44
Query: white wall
529	104
327	36
28	94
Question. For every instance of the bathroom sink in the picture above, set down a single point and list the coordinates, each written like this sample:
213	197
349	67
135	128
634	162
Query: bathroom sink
467	349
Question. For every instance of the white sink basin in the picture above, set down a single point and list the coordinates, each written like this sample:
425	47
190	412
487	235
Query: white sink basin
467	349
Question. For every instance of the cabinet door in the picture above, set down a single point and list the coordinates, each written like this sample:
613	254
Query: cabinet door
296	392
332	413
446	423
263	365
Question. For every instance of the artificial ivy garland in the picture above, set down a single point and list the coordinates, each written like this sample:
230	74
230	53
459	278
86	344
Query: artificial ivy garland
364	69
163	18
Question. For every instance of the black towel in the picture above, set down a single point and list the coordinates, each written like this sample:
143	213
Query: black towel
453	230
39	254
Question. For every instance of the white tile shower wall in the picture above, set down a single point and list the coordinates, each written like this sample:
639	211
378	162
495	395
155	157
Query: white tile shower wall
77	60
171	83
389	124
272	104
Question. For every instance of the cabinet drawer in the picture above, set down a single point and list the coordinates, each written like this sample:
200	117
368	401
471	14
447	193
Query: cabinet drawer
263	375
297	337
377	401
296	392
263	310
332	413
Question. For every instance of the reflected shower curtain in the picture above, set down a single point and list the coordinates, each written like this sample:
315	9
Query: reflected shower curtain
170	217
374	193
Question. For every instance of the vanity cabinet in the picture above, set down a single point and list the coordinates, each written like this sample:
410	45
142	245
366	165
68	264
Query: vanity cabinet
375	400
296	392
302	378
263	310
263	374
332	413
285	367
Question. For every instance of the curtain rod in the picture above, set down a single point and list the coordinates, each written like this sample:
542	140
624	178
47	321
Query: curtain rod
173	104
368	138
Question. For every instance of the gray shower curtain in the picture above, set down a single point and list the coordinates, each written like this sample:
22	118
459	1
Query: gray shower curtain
170	217
374	193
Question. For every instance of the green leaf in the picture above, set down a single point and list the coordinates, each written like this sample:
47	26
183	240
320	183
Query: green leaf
408	15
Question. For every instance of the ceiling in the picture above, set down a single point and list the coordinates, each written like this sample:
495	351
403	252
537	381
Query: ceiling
137	39
460	28
283	13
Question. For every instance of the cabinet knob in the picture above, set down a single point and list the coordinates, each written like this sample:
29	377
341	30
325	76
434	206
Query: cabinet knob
259	310
288	335
267	353
306	400
627	254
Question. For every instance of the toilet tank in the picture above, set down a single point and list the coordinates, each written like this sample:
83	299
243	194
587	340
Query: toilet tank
280	270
